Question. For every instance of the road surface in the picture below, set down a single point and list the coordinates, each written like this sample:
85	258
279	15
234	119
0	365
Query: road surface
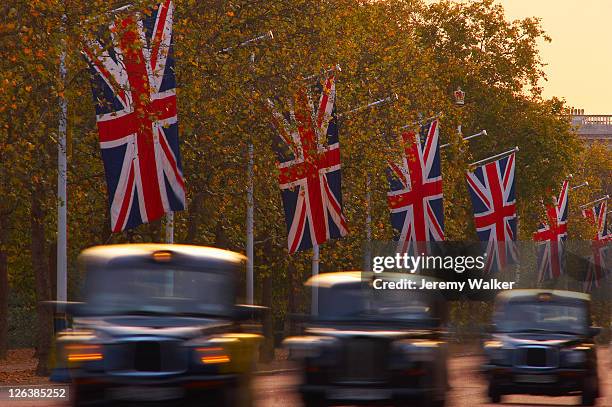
468	389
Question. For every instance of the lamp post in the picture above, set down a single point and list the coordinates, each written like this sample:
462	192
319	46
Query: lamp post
459	96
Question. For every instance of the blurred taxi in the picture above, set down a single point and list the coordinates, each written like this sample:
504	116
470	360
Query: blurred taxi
160	324
542	343
370	346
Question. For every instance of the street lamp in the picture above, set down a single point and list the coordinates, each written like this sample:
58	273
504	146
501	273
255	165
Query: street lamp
459	96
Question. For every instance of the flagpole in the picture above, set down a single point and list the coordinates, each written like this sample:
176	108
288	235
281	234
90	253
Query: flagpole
250	221
314	306
268	35
494	157
250	277
62	244
482	133
313	76
584	184
595	201
388	99
249	227
420	121
368	228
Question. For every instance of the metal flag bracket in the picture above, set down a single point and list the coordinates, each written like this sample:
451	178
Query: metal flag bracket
261	37
420	122
389	99
335	68
481	133
584	184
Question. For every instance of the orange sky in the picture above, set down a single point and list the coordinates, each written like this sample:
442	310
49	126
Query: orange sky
580	56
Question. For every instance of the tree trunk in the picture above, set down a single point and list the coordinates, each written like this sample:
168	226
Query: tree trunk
290	328
221	240
193	218
43	283
3	304
6	211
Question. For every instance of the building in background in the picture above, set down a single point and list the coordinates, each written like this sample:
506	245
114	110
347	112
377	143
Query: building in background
593	127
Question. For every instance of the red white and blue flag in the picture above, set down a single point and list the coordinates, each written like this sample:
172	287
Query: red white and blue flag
134	89
600	262
551	237
492	189
309	164
597	215
415	195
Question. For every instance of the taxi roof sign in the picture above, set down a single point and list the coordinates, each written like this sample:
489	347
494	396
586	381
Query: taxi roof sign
162	256
544	296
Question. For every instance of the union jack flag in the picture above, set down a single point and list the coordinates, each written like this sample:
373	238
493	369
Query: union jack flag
491	188
309	165
601	260
599	264
134	88
597	215
551	237
415	196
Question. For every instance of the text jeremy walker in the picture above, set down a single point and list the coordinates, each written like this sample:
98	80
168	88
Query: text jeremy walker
425	284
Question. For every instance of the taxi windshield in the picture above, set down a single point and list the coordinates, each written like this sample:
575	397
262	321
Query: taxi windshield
159	290
356	304
543	316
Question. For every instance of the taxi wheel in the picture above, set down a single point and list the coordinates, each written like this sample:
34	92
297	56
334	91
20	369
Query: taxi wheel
589	393
221	398
429	403
235	396
438	403
495	397
587	400
79	397
313	402
228	398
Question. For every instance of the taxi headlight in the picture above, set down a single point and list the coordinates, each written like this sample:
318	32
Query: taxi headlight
84	352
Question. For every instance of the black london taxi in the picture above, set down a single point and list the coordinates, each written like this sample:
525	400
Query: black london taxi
159	324
369	346
542	343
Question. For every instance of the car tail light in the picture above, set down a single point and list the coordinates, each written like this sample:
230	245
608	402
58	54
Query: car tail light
84	353
212	356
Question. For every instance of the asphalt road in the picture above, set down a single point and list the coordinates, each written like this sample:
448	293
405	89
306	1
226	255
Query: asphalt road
468	389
